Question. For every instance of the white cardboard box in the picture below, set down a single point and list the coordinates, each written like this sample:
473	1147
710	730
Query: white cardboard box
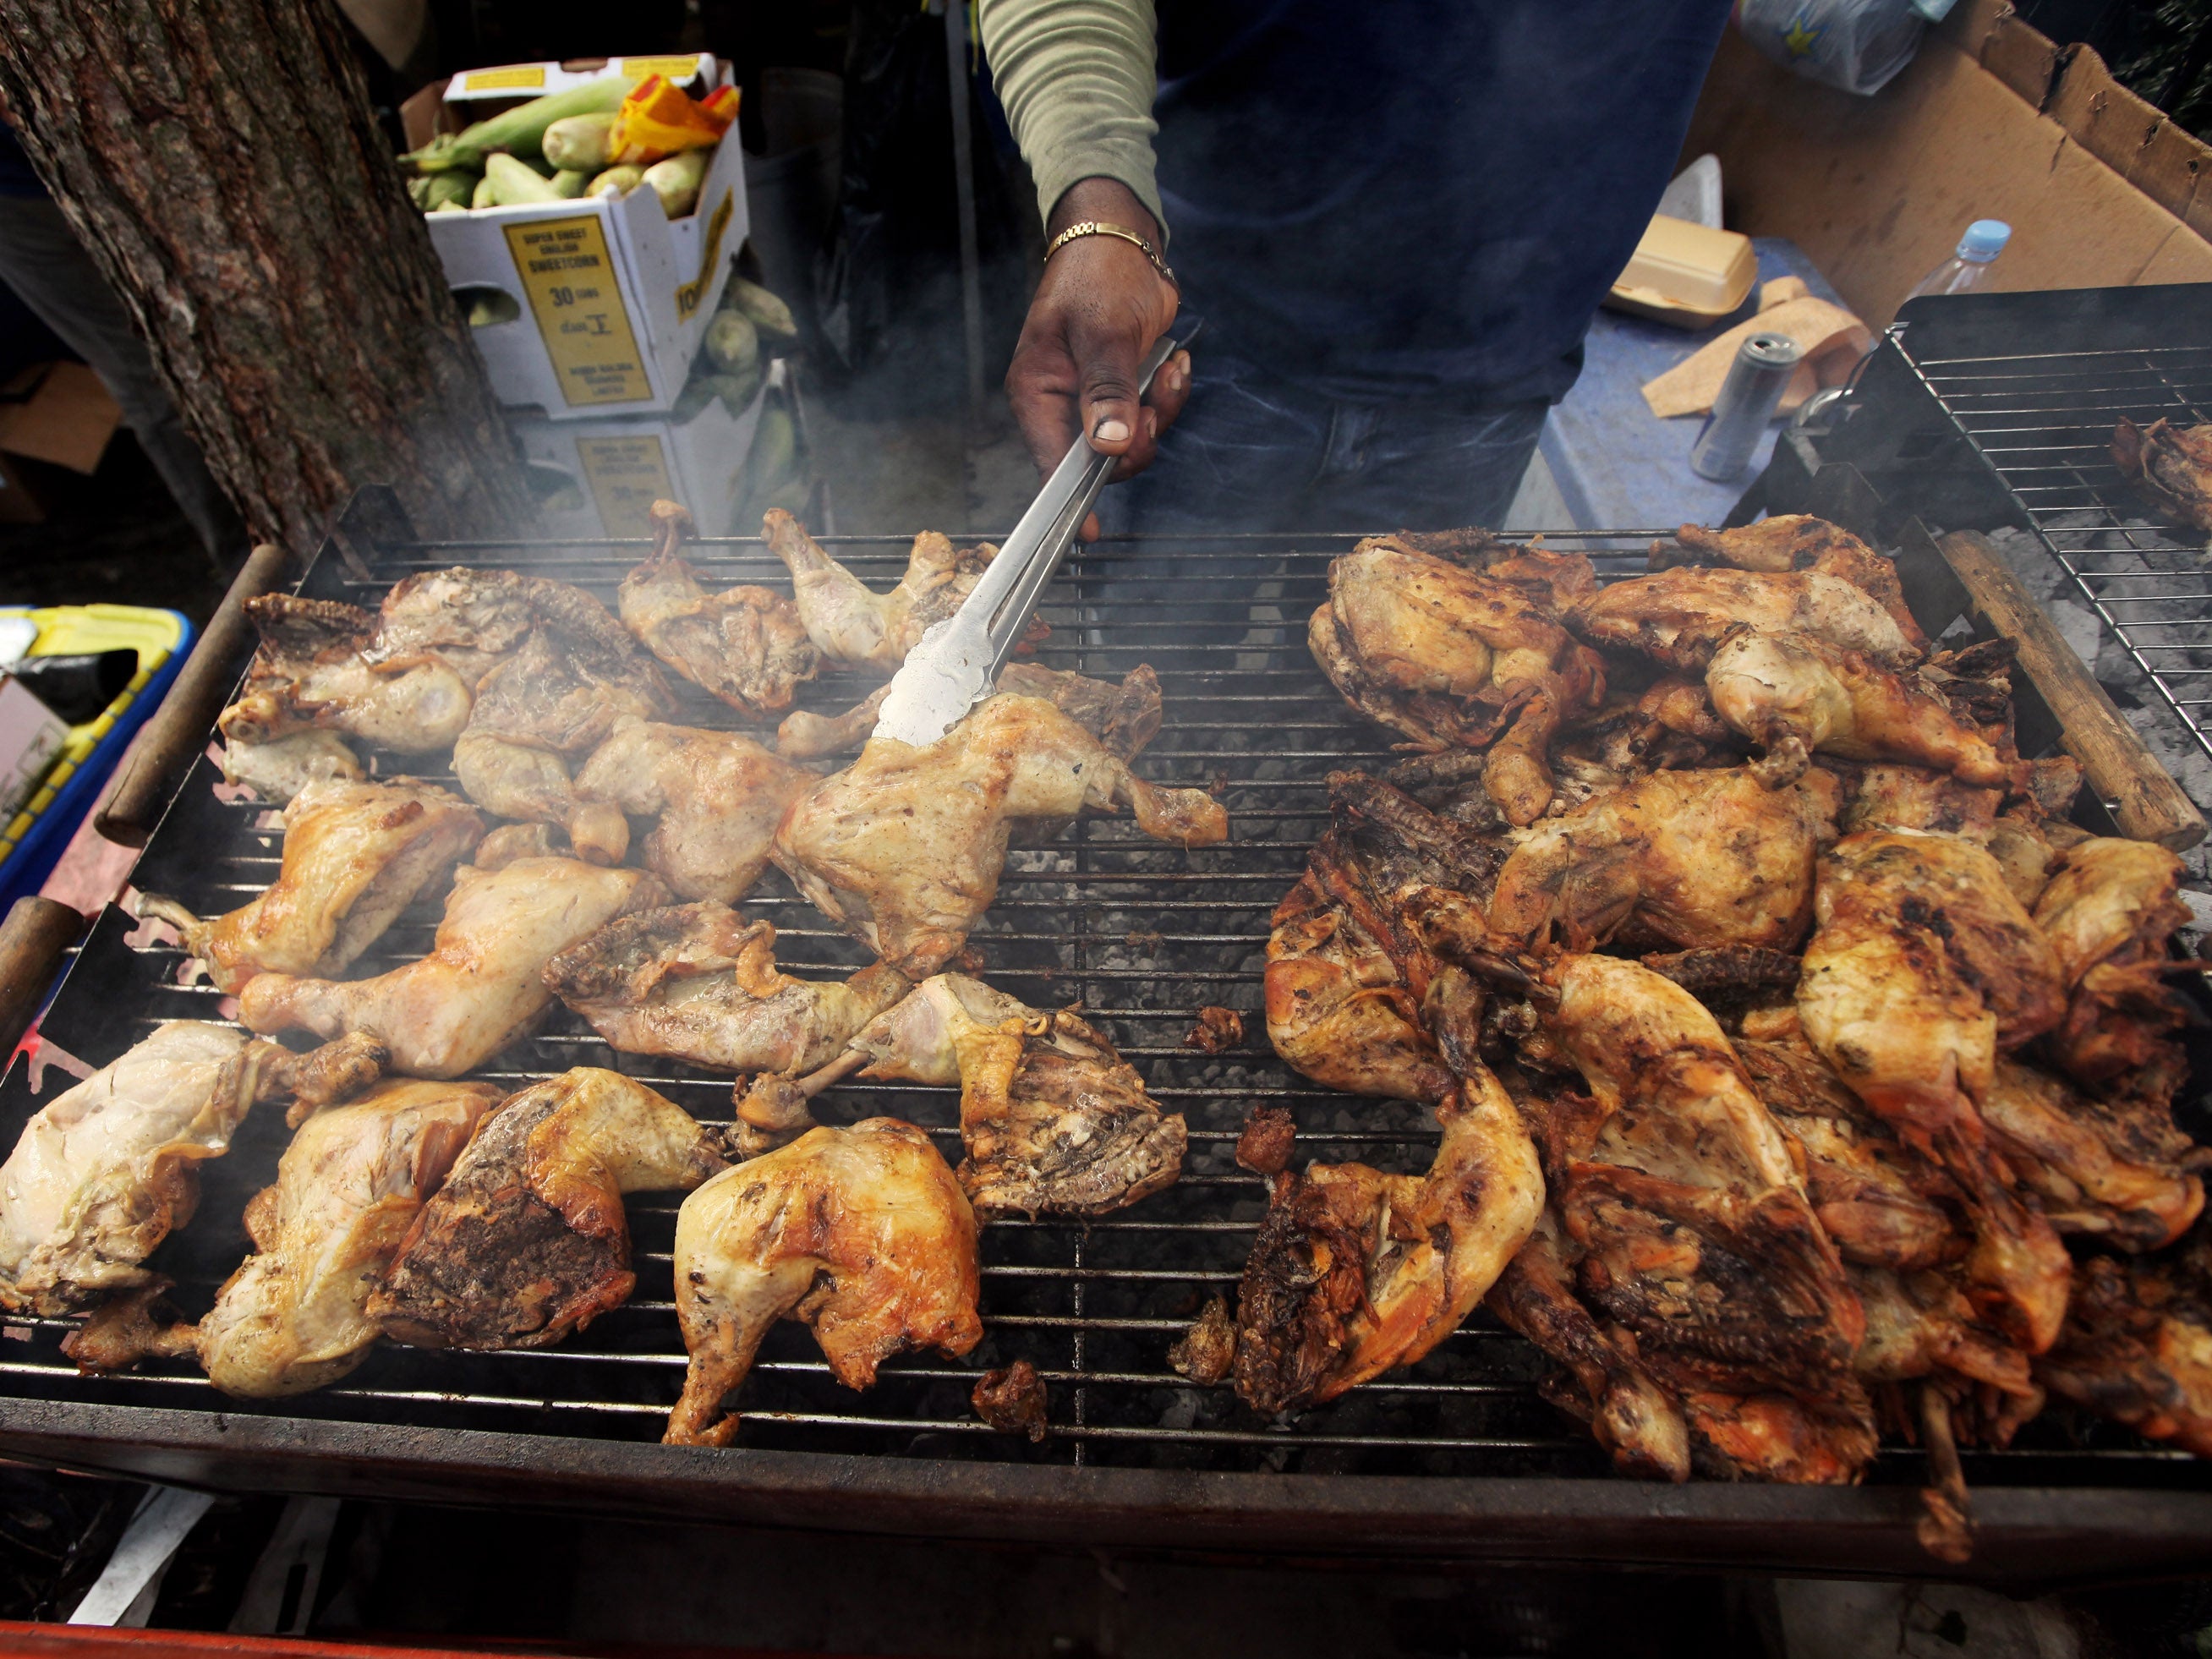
613	470
612	297
31	735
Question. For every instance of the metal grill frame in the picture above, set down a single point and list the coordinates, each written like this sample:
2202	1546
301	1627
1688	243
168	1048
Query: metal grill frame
418	1424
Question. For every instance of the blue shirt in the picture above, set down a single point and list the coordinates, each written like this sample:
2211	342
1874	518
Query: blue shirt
1393	199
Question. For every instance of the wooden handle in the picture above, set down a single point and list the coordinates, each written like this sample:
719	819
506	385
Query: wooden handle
2149	805
32	940
178	729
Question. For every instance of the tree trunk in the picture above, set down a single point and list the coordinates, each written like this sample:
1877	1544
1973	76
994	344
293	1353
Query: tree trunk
219	160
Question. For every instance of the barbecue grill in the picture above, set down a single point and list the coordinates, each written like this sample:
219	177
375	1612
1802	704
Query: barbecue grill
1456	1458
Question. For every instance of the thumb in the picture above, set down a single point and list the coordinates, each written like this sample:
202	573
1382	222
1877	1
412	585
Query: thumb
1108	395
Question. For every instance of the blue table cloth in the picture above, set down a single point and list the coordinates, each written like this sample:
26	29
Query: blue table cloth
1617	465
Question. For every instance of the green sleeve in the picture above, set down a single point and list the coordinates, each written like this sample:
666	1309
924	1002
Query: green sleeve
1076	80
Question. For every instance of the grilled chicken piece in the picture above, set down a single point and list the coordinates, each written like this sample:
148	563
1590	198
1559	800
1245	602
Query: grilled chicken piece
698	982
280	768
1797	541
2115	1168
904	847
1702	858
474	620
1921	1324
527	1240
1451	659
2137	1343
861	1234
552	700
746	645
483	984
292	1317
1356	997
2171	464
102	1173
1885	796
1124	718
312	672
2108	911
1794	695
1677	618
851	623
1054	1121
1557	579
1355	1272
1012	1400
718	797
355	855
1921	968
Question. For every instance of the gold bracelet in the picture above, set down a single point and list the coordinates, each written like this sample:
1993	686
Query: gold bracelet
1093	227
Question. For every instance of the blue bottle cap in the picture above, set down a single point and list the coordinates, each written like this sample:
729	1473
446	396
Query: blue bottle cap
1984	240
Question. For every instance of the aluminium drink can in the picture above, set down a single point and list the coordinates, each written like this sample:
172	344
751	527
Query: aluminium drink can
1756	381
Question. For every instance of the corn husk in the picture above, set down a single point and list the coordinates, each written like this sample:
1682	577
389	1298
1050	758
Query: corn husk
763	309
579	142
676	181
616	181
518	131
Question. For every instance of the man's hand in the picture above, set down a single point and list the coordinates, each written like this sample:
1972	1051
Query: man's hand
1098	310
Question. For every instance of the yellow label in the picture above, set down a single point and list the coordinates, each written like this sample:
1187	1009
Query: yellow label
627	475
500	80
678	68
688	295
570	278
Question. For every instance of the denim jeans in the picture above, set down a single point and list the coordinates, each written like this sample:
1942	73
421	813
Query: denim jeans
1252	452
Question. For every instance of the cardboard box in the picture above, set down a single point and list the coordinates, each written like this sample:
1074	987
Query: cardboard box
31	735
599	478
607	299
59	413
1876	189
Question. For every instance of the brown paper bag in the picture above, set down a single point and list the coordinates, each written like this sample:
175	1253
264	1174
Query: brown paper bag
1832	340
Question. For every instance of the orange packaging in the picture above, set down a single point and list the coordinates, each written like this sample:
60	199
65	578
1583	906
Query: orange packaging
659	118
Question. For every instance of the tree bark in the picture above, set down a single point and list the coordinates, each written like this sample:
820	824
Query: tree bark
220	161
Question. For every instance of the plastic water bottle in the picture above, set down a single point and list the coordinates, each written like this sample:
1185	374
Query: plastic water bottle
1966	269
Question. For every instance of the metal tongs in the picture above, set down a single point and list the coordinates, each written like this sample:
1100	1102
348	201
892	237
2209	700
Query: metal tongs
957	661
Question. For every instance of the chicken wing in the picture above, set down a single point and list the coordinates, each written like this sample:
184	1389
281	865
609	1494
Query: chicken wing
1920	968
851	623
698	982
1124	718
904	847
1354	1272
549	703
528	1240
1677	617
355	855
861	1234
1701	858
1054	1121
2108	911
1451	659
2171	464
483	984
717	796
747	646
2113	1168
1797	541
1795	694
311	673
2137	1343
103	1173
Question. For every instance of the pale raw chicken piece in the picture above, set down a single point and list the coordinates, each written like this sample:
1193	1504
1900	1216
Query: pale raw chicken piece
1796	695
551	701
1452	659
717	797
311	673
355	854
528	1239
747	646
483	984
847	621
2114	1169
1686	859
1921	968
1798	541
1124	717
280	768
904	847
1054	1121
293	1317
1355	1272
1677	617
103	1173
698	982
861	1234
2109	911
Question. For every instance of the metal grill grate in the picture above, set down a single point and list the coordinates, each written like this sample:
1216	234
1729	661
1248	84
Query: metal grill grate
2044	422
1139	933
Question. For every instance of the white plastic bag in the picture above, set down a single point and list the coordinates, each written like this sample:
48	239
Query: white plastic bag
1856	44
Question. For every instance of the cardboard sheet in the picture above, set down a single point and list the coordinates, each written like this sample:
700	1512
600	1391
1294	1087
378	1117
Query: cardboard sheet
1832	339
